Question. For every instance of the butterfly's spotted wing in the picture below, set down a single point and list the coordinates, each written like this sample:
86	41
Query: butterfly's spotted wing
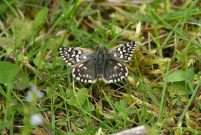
85	72
74	55
123	52
114	71
81	60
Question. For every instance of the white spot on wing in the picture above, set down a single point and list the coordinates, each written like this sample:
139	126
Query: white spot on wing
79	52
110	81
73	75
84	68
89	81
122	77
126	74
84	57
119	64
80	65
69	49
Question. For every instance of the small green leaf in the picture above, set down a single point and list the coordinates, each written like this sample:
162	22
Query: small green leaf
78	99
62	122
22	81
178	75
178	88
4	124
181	57
20	30
7	42
69	93
190	75
40	64
121	105
130	110
39	21
3	8
8	72
88	106
40	18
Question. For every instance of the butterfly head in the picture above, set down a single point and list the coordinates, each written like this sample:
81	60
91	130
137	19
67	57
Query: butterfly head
101	49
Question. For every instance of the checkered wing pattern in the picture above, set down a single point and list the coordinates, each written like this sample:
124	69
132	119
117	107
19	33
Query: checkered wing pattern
74	55
90	66
85	72
114	71
123	52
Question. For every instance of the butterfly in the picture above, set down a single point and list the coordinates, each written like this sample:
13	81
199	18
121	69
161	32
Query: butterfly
100	64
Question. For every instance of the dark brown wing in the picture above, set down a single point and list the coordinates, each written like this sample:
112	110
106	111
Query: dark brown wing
114	71
74	55
85	72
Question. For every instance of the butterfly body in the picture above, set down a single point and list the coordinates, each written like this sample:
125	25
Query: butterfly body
101	59
90	66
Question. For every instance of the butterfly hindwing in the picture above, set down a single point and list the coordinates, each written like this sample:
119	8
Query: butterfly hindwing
123	52
85	71
114	71
74	55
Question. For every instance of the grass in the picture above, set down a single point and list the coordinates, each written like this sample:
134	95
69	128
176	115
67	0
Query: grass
162	91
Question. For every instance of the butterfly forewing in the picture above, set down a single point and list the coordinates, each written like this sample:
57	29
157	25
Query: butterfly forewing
114	71
123	52
74	55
